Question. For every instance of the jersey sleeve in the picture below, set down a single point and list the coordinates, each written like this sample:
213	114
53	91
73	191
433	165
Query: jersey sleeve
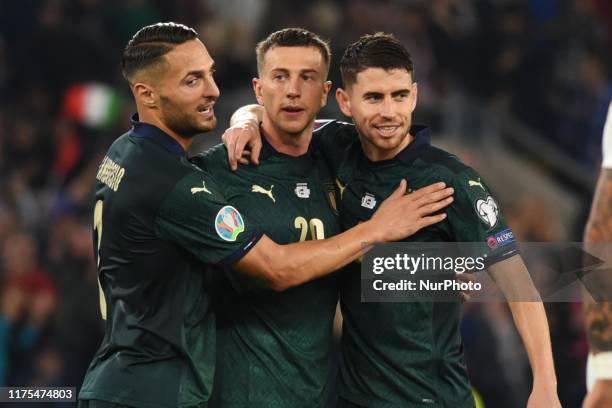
333	140
196	217
475	217
214	162
607	141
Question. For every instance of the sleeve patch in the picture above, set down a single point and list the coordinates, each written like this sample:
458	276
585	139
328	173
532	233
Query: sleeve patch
500	239
487	211
229	223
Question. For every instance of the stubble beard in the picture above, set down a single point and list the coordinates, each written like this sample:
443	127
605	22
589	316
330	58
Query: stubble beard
184	123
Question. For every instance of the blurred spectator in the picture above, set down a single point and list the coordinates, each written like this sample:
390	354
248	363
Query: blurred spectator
29	298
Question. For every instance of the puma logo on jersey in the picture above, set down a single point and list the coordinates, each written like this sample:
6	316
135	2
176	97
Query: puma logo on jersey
340	187
259	189
195	190
473	183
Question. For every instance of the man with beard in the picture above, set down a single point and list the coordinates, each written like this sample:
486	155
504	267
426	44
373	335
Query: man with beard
411	354
273	348
158	220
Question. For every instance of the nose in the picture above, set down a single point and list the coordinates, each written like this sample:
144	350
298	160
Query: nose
387	108
211	90
293	88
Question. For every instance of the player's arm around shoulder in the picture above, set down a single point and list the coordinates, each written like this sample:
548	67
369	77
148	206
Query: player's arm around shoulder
243	138
285	266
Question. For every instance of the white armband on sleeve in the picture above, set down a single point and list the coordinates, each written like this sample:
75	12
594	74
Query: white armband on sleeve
599	367
607	141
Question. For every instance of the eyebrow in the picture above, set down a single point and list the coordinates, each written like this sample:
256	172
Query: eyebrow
393	94
400	91
372	94
198	73
302	71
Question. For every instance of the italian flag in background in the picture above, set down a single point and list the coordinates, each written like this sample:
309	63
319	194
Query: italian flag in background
93	104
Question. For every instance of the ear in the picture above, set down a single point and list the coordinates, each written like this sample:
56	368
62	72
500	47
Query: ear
145	95
257	90
413	96
344	102
326	88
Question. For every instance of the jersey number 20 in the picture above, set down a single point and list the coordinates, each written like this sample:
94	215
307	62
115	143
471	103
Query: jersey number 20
317	230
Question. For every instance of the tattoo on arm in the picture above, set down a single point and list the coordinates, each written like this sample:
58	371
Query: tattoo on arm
599	326
599	226
599	229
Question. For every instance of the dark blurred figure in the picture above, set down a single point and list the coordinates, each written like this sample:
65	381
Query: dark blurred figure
77	328
29	298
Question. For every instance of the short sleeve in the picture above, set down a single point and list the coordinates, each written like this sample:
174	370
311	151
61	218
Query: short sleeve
475	216
607	141
196	217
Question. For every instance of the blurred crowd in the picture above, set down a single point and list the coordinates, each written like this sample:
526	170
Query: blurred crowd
63	101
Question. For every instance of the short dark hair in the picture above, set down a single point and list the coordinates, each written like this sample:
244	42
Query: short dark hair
148	46
292	37
378	50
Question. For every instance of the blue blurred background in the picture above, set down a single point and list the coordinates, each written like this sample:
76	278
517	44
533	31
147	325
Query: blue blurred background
519	89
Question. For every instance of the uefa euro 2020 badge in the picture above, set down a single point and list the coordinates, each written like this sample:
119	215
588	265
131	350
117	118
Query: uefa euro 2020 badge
229	223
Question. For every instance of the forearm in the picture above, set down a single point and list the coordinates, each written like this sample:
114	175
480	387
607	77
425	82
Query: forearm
285	266
532	325
248	112
528	313
312	259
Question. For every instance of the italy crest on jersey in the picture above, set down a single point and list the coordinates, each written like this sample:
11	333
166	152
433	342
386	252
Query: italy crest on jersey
229	223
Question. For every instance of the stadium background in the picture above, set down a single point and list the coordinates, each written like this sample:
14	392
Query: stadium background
517	88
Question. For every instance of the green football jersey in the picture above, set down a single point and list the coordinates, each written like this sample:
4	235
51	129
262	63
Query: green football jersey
158	220
408	354
273	347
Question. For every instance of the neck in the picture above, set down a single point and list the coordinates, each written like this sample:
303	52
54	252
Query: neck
375	153
287	143
151	119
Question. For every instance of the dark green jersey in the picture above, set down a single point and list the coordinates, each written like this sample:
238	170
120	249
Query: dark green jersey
408	354
273	348
158	219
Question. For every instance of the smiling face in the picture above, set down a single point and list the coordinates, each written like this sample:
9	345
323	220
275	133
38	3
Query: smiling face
292	88
381	103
